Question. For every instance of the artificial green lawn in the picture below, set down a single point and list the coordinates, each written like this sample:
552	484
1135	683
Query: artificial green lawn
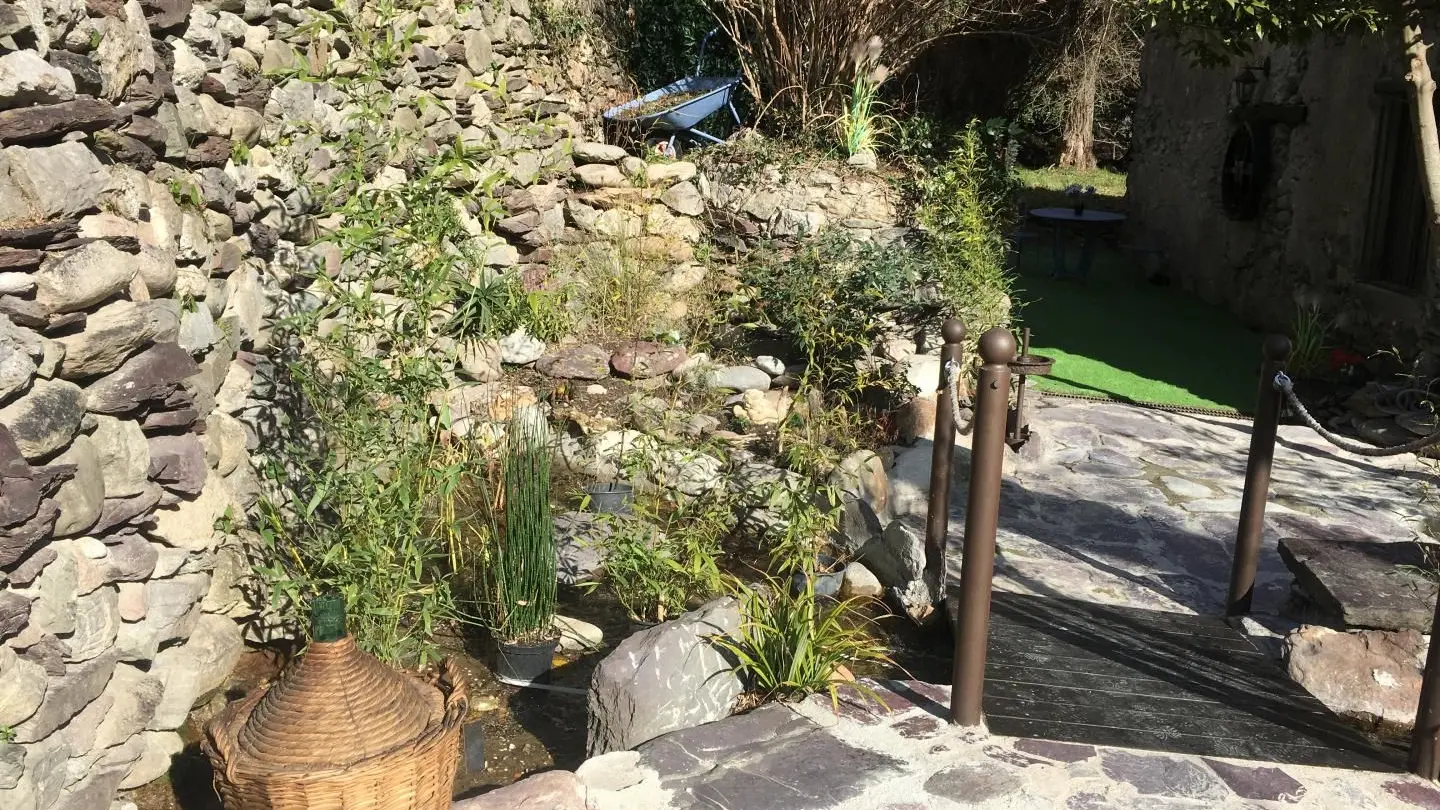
1118	335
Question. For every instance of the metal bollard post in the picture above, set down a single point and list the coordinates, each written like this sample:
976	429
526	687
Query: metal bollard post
982	518
1257	478
938	518
1424	752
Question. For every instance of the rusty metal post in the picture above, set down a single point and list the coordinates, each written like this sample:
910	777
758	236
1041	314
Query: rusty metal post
1257	478
938	519
982	519
1424	752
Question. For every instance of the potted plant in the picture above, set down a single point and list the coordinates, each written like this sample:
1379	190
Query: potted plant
1079	196
522	569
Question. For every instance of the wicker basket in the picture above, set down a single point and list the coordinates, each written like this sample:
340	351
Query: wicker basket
340	731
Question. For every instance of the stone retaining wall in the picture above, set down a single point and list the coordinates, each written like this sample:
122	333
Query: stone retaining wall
159	163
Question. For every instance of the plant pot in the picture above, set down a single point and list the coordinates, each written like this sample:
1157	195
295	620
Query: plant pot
829	576
520	663
611	498
1079	210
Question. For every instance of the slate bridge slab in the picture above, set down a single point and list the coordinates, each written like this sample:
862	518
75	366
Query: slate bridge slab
1079	672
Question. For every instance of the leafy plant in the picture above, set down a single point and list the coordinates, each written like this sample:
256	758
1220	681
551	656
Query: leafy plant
835	296
861	123
792	644
1311	337
559	23
617	290
964	204
666	554
7	734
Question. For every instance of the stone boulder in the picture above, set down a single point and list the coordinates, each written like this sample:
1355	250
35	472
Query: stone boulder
83	277
114	333
1372	676
552	790
46	418
664	679
641	360
578	536
738	378
584	362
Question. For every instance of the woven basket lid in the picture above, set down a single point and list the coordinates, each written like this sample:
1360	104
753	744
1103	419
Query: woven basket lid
337	705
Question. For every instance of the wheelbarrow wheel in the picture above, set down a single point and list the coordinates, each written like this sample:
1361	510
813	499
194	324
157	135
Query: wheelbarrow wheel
668	146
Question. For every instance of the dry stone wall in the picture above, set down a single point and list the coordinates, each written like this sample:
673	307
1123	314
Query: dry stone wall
161	172
132	327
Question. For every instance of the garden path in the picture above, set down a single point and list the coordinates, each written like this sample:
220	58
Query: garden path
1126	506
904	756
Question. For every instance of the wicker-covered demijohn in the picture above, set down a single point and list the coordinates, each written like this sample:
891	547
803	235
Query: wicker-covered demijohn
340	730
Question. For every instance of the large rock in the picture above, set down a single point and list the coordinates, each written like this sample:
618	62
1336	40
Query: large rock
641	360
1371	676
136	694
578	536
115	332
178	463
480	360
663	679
153	374
19	349
97	618
81	278
738	378
53	182
124	455
14	613
519	348
46	418
22	687
172	611
159	750
591	152
67	695
600	175
54	120
126	49
898	558
27	79
190	525
193	670
80	498
584	362
1383	586
551	790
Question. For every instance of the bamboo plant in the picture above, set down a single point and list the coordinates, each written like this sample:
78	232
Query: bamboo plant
523	569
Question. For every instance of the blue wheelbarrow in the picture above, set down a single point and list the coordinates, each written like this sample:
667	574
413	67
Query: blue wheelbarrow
679	106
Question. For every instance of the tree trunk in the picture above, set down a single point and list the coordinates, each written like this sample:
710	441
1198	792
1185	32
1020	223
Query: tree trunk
1079	134
1427	134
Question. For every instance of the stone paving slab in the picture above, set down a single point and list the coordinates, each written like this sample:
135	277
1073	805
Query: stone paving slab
905	756
1136	507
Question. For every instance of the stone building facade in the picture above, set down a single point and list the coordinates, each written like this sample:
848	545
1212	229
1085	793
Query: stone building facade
1339	216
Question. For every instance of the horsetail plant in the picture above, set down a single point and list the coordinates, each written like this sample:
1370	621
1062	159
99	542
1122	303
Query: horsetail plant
524	568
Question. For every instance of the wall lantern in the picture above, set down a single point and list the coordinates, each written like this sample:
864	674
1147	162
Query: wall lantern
1245	86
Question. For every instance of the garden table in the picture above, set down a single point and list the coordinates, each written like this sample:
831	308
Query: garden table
1090	223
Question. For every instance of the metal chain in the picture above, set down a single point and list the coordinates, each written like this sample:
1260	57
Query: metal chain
952	381
1286	386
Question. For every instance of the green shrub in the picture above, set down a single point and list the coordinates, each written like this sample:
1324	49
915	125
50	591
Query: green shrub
793	643
965	205
667	553
834	296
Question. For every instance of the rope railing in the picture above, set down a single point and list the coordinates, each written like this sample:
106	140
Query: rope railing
1286	387
953	371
